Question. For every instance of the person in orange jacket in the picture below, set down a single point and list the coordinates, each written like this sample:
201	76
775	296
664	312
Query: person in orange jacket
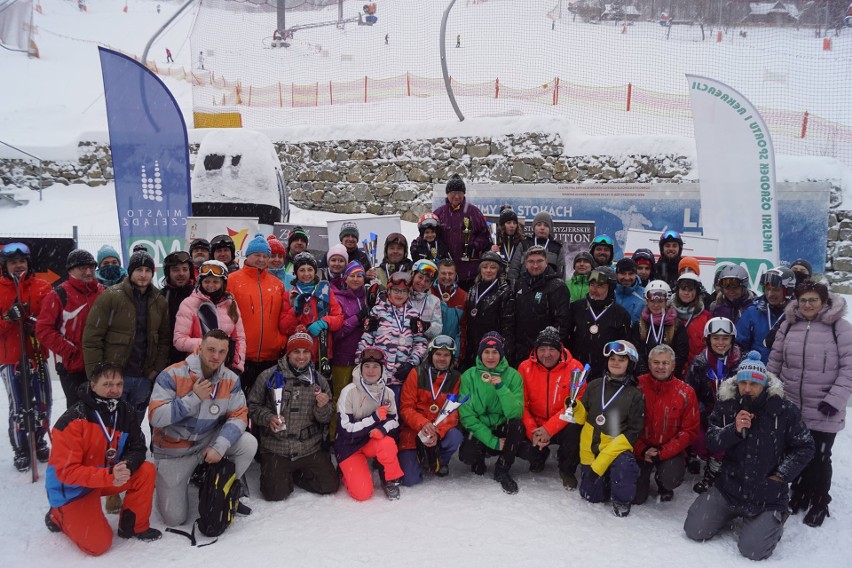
21	295
547	385
260	298
671	425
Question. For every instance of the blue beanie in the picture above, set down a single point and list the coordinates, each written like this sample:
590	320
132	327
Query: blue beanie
752	369
258	244
107	251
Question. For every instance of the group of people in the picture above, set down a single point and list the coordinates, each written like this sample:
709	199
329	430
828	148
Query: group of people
458	343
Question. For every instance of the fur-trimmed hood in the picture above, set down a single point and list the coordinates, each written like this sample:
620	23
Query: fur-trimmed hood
830	313
774	387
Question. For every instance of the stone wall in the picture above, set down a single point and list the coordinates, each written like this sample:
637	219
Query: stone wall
389	177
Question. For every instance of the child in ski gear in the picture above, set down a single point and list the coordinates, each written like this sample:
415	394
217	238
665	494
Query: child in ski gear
427	245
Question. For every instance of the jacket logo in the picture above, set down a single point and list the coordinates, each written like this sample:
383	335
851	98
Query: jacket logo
152	187
538	297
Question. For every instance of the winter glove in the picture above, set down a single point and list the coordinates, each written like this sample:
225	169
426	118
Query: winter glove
29	326
382	412
592	476
376	434
371	324
363	313
317	327
15	312
417	325
827	409
402	371
324	367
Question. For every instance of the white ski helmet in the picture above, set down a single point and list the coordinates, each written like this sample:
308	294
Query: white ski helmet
654	287
720	326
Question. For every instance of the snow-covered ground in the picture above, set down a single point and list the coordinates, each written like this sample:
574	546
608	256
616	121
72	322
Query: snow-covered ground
462	520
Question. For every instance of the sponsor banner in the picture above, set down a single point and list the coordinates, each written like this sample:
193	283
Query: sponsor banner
737	164
240	229
150	156
317	237
615	208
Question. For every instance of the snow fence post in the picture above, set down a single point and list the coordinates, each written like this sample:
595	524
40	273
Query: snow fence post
629	95
805	124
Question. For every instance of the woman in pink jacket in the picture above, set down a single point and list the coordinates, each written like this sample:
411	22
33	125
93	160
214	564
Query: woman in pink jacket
210	306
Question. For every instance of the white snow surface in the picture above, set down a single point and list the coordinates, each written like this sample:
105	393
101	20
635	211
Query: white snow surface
462	520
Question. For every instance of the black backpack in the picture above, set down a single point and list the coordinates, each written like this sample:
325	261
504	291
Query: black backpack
218	498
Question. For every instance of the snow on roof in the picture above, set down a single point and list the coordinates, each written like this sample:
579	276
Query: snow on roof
766	8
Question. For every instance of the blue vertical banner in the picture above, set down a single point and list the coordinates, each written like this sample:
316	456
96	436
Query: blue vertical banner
150	157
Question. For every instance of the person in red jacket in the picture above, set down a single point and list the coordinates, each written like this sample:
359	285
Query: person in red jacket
62	319
671	425
547	384
21	295
99	449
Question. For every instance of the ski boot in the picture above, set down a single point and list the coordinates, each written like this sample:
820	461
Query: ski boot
711	472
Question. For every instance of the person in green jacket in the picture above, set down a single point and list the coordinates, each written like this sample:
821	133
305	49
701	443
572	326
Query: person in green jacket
578	284
491	417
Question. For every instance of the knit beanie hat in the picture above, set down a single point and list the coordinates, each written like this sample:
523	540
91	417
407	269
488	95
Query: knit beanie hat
456	184
300	339
275	246
548	337
492	340
625	265
79	257
337	250
140	259
298	233
107	251
805	263
303	258
752	369
507	214
258	244
348	228
353	267
690	263
543	217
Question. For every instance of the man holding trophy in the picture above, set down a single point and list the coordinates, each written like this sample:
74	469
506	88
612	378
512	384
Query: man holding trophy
552	380
429	435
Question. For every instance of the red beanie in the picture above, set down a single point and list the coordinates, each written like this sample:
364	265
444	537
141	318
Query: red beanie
275	246
300	339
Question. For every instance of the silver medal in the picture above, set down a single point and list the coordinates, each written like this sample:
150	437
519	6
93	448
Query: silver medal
600	420
214	409
473	312
593	329
111	454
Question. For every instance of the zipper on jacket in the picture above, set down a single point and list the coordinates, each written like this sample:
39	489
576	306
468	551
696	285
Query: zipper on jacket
802	378
260	297
547	401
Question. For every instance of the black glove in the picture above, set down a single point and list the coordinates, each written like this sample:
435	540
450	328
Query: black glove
656	458
363	313
827	409
592	476
29	326
371	324
402	371
417	325
15	312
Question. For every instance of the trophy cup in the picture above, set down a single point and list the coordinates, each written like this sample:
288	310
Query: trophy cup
276	383
578	379
450	405
492	230
374	245
466	254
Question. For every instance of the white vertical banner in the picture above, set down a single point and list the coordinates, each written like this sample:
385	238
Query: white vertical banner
736	164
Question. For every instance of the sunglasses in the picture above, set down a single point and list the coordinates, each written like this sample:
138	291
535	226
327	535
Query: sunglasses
12	249
212	270
686	287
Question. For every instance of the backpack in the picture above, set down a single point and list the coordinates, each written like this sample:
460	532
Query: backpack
218	498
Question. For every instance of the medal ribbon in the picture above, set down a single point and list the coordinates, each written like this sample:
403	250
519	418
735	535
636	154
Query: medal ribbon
507	251
605	405
595	316
440	388
380	401
653	332
108	435
480	296
398	319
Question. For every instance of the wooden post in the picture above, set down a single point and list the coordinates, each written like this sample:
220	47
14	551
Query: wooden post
365	88
330	94
280	96
497	88
408	83
629	95
805	124
556	91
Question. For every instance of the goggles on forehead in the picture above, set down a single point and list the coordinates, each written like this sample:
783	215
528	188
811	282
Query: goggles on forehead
602	240
13	249
211	269
620	348
443	342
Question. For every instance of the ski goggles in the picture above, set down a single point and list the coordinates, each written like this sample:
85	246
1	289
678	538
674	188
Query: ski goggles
14	249
399	280
443	342
730	283
620	348
657	296
602	240
426	268
720	326
373	355
670	235
178	257
396	239
210	269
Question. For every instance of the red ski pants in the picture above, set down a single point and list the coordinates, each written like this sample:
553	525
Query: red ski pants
356	473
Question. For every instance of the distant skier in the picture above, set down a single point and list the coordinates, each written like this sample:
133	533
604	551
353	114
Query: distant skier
169	58
458	40
387	37
201	60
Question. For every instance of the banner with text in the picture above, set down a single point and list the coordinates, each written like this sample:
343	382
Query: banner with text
150	156
240	229
736	162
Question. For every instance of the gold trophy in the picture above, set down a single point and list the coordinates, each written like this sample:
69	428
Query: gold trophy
465	255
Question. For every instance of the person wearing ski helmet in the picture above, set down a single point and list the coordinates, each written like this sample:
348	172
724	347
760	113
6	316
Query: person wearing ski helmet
367	421
21	299
430	322
312	303
62	319
510	234
542	236
671	251
463	229
490	306
688	304
223	249
199	250
596	320
428	246
423	446
211	306
734	297
767	311
645	264
659	325
578	284
612	413
602	249
629	292
394	259
177	285
491	417
541	300
717	362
